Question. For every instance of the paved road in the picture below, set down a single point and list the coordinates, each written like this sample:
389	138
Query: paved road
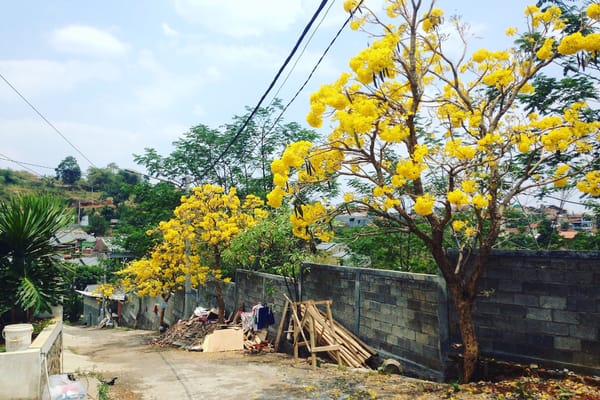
151	372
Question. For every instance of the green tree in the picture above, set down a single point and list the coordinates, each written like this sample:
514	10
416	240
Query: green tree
149	205
98	225
245	164
192	243
113	182
388	248
269	246
31	270
68	171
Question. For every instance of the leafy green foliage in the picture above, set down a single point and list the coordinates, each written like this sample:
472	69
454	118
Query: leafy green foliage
98	225
68	171
389	249
149	205
551	94
31	274
246	163
269	246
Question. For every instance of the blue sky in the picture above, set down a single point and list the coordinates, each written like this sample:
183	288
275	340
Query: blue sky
118	76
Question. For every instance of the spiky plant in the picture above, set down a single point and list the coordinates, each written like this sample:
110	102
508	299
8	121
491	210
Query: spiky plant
30	268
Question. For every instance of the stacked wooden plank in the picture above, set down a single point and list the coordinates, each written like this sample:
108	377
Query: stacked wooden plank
353	352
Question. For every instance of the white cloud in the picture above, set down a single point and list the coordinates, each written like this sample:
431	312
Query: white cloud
88	41
162	88
168	31
241	18
38	78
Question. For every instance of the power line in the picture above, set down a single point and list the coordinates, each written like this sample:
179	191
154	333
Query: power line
21	164
310	38
45	119
3	157
285	63
315	67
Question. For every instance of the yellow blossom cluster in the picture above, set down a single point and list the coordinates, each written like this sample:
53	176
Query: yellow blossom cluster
459	226
309	215
461	198
546	51
432	19
560	176
206	221
375	59
455	148
327	95
524	142
458	198
402	91
591	184
559	133
577	41
593	11
424	204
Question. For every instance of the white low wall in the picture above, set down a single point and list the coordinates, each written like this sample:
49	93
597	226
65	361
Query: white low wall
23	373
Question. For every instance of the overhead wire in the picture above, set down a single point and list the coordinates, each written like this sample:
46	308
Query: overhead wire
336	36
46	120
22	164
3	157
279	72
312	35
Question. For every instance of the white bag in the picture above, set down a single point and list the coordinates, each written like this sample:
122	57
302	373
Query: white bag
62	388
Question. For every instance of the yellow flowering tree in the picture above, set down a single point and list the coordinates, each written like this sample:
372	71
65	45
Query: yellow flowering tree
439	137
192	243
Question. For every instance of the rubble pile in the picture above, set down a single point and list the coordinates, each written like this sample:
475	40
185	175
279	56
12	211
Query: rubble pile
255	342
187	334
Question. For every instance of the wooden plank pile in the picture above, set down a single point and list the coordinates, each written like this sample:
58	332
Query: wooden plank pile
353	351
319	332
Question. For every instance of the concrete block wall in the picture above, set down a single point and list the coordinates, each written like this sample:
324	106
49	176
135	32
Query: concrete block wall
534	306
256	287
541	307
401	315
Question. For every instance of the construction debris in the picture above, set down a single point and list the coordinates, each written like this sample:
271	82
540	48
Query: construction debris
186	334
227	339
202	333
256	342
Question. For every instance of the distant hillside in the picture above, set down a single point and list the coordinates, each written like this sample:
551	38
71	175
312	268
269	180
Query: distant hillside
23	182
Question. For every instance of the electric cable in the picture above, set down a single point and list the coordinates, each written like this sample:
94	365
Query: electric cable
312	35
21	164
315	67
46	120
3	157
285	63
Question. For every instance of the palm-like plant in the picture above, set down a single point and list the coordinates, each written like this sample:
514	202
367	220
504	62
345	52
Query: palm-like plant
30	268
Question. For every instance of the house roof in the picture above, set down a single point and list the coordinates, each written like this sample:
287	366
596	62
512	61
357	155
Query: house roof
568	234
71	235
110	243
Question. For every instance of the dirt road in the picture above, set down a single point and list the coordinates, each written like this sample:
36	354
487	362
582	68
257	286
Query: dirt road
147	372
150	372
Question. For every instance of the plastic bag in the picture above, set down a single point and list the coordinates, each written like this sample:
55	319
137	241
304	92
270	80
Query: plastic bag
62	388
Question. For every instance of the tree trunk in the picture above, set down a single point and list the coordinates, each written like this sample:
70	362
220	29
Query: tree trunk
463	306
220	301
